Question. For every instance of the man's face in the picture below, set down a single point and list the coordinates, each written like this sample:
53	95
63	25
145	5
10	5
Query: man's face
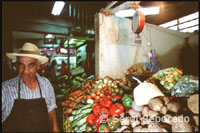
27	67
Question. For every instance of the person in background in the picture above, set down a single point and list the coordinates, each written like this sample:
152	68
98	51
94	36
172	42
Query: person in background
63	70
152	63
51	71
28	100
43	67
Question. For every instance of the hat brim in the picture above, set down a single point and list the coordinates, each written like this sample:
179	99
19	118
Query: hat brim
13	56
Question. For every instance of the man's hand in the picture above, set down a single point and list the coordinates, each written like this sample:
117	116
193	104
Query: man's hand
54	120
56	129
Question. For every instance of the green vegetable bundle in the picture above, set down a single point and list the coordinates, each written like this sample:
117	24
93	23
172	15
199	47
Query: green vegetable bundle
79	117
169	77
186	86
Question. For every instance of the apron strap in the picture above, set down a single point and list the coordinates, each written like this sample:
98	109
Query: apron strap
19	88
39	87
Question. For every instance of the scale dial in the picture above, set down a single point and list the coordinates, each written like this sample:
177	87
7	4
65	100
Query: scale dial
138	22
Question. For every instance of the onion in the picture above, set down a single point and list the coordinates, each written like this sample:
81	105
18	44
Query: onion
112	84
100	81
105	81
110	81
136	107
115	86
100	86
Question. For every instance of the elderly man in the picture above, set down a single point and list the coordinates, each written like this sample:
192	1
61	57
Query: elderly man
28	100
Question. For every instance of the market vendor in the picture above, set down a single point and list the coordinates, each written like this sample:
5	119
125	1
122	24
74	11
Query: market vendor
63	70
152	63
28	100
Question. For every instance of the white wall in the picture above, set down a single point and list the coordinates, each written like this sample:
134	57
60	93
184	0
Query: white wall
114	50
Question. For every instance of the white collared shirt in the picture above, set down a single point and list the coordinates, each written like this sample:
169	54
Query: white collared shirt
10	93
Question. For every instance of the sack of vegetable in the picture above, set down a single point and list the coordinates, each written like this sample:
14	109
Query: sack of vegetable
186	86
168	78
144	92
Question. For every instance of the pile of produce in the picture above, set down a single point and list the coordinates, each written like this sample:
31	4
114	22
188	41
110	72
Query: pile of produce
169	77
139	71
71	101
93	92
186	86
101	105
104	87
138	68
79	117
162	114
101	119
172	82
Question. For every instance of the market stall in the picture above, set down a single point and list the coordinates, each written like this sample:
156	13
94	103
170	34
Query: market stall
165	102
126	96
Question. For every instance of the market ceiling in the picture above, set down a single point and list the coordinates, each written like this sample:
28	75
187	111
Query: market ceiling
33	20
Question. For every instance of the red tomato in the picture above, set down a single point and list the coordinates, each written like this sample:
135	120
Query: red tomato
97	97
88	97
90	119
106	87
98	92
93	95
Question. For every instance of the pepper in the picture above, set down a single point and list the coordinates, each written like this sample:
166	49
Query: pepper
96	109
115	98
116	109
127	101
104	128
113	123
104	111
97	120
90	119
106	102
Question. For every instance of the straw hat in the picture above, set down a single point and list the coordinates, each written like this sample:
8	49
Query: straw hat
28	50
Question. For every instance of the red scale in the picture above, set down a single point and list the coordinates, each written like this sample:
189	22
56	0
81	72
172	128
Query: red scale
138	22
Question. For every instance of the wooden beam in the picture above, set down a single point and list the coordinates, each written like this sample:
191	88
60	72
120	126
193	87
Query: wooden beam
37	27
123	6
110	5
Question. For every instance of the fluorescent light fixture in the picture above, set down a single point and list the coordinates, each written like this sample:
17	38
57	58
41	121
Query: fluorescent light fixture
58	7
131	12
49	36
125	13
62	50
150	10
72	41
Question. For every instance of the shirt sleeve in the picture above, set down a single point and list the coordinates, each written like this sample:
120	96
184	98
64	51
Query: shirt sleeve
7	101
50	98
3	107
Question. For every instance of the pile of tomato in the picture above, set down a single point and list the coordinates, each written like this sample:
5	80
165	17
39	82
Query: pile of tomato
102	117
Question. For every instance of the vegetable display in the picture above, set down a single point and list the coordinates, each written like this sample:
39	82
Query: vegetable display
169	77
102	105
186	86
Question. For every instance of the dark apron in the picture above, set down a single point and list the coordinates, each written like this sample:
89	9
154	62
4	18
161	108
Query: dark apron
28	115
